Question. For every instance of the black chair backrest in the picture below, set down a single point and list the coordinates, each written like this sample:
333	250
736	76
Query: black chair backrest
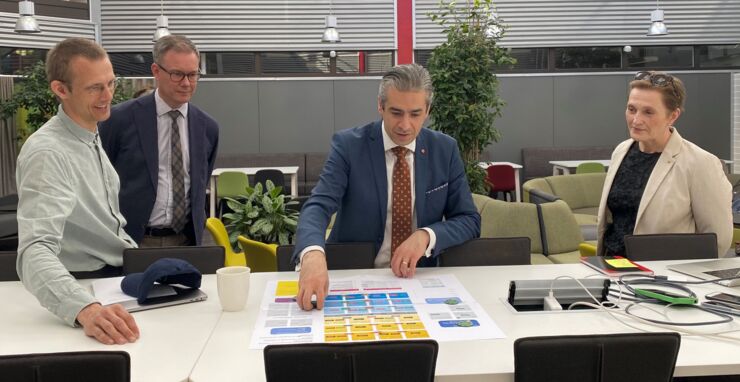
634	357
488	251
388	361
671	246
9	203
276	176
88	366
7	266
338	256
205	259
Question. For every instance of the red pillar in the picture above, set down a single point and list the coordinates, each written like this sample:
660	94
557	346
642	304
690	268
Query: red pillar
404	31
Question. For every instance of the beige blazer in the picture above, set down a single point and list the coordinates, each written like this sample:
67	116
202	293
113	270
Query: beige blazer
688	192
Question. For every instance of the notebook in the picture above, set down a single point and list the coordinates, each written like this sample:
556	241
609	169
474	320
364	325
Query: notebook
108	292
712	270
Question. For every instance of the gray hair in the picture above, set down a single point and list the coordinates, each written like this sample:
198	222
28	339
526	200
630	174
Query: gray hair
409	77
178	43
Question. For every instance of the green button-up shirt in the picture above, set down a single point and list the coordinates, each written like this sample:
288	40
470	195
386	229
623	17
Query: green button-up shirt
68	214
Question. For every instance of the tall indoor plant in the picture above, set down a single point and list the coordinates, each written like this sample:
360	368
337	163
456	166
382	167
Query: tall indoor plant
466	100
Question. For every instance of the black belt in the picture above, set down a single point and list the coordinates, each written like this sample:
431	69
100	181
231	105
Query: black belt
152	231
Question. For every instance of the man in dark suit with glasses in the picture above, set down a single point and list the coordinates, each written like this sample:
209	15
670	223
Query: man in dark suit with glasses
163	148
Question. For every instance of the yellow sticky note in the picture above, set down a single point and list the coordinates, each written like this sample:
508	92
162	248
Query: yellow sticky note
417	334
359	320
385	319
336	337
286	288
334	320
387	327
363	336
620	263
361	328
408	317
390	335
412	325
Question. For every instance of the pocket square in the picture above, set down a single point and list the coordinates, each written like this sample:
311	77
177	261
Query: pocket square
435	189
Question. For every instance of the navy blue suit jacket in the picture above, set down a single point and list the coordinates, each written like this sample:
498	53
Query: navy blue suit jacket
129	137
354	184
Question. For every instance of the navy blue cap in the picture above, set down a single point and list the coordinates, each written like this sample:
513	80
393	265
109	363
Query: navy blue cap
163	271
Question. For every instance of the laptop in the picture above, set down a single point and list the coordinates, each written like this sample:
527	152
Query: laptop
712	270
108	291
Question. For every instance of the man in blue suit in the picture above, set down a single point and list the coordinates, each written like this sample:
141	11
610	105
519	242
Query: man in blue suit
391	182
163	148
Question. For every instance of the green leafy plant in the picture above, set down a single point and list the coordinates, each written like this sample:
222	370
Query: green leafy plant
33	99
262	216
466	101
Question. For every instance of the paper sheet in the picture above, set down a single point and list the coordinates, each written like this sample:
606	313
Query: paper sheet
372	309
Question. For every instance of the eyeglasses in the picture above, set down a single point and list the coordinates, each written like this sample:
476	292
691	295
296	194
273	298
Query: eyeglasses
657	79
178	76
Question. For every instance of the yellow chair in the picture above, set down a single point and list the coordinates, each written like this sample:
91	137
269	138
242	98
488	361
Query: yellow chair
261	257
587	249
221	237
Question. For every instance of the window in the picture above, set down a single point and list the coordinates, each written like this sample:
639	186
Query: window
718	56
527	59
132	64
647	57
588	58
230	63
16	59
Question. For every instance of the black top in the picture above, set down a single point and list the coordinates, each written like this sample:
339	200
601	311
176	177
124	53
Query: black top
625	195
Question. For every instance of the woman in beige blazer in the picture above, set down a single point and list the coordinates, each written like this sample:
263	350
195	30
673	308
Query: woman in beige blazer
659	182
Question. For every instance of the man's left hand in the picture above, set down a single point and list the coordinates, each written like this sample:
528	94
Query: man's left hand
403	261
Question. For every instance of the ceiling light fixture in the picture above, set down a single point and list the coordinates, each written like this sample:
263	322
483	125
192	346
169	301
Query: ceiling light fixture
330	33
26	22
657	27
162	24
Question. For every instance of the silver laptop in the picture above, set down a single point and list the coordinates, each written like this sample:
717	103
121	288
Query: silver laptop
108	291
712	270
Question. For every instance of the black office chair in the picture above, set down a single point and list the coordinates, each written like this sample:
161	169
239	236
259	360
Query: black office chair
88	366
488	251
633	357
338	256
670	246
276	176
7	266
205	259
387	361
9	203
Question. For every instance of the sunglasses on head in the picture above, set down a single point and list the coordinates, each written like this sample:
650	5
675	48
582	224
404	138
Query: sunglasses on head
656	79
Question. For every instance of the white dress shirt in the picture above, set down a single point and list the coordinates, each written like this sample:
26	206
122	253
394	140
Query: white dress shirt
162	210
383	258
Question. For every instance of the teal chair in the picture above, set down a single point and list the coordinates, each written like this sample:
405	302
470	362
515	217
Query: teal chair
590	167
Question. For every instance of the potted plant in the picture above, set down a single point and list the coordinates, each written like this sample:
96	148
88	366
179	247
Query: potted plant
263	216
466	101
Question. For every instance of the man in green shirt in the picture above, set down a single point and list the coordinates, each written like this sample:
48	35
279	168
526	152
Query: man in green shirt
68	215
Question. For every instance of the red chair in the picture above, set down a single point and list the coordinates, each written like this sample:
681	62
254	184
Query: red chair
501	178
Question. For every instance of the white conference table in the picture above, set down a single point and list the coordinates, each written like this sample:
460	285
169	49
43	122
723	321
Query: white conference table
227	356
171	338
517	167
286	170
564	167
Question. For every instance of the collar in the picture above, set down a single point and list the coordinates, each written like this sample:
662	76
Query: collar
388	142
84	135
163	108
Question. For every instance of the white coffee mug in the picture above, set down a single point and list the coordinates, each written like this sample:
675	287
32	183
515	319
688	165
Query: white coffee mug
233	287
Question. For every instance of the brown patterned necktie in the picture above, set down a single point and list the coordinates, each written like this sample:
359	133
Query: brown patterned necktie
401	199
178	175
